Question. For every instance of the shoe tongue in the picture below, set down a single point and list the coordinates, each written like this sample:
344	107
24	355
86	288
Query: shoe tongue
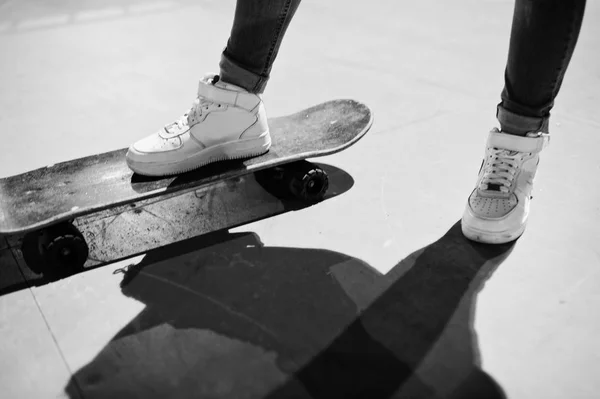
219	83
215	80
493	187
510	153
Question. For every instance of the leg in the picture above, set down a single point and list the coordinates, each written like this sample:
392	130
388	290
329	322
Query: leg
256	35
228	118
543	37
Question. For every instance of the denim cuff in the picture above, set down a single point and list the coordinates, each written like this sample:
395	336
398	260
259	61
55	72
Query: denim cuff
519	124
236	75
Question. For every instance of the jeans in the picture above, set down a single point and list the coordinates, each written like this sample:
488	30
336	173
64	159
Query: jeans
542	41
256	35
543	37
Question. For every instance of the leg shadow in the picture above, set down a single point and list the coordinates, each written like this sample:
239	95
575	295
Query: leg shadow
416	339
227	317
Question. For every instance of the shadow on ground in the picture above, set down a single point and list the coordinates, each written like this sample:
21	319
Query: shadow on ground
227	317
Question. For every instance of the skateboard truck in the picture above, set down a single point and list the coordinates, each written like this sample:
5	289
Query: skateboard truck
300	180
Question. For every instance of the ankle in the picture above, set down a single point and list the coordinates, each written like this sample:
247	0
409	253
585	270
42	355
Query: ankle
520	125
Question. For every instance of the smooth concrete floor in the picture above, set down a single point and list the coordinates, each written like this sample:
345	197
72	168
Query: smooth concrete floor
372	291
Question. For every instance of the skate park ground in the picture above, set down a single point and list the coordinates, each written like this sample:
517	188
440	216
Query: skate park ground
373	293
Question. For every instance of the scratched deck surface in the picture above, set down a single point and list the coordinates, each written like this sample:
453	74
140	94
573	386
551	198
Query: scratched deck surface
86	185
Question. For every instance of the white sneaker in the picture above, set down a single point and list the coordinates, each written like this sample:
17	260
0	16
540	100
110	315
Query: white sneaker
498	208
224	122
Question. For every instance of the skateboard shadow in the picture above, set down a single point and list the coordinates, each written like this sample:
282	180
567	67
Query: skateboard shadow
229	317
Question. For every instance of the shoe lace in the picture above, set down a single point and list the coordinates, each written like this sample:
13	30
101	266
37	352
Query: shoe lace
193	113
501	171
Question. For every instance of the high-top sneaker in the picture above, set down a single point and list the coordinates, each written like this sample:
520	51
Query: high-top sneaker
498	208
224	122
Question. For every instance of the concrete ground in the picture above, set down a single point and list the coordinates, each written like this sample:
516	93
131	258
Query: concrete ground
372	293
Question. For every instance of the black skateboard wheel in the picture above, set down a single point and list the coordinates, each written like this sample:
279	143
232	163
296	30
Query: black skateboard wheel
59	249
307	182
65	247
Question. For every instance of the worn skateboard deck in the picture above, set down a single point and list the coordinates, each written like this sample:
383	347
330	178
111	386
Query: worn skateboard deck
72	189
121	232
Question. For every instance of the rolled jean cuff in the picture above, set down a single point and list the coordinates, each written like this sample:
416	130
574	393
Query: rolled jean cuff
236	75
512	122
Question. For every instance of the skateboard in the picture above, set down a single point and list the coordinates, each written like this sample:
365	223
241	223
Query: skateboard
43	204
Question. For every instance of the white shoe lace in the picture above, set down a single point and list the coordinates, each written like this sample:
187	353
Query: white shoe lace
192	114
501	171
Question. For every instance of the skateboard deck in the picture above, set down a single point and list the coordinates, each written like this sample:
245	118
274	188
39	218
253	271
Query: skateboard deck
69	190
154	227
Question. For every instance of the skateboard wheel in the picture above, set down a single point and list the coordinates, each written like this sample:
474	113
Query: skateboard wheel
63	248
307	182
32	253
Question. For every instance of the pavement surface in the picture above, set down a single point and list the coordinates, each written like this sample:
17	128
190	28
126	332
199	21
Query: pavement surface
372	294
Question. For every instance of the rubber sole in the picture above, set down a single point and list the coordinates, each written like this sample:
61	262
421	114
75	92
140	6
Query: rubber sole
238	149
486	237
